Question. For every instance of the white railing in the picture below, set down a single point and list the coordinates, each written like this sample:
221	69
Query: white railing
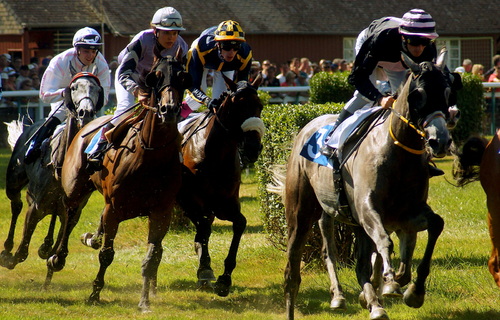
39	106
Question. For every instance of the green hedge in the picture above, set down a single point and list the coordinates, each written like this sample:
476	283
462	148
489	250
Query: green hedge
330	87
472	108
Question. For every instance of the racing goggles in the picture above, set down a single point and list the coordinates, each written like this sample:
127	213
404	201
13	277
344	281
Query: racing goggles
230	45
417	41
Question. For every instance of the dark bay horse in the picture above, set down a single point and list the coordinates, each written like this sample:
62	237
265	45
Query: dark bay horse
480	159
386	182
214	147
141	175
84	97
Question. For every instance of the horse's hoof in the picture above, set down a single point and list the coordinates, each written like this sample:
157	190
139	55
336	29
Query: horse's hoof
205	285
206	274
144	307
89	241
94	299
338	304
362	300
412	299
7	260
392	290
378	314
56	263
44	251
222	286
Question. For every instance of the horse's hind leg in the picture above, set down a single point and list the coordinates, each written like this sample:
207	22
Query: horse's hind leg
414	295
13	191
203	225
46	248
93	240
329	251
224	282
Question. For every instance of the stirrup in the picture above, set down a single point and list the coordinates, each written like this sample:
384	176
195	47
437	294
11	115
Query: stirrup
327	151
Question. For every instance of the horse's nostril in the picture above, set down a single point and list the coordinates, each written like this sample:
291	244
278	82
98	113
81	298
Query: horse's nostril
163	109
433	144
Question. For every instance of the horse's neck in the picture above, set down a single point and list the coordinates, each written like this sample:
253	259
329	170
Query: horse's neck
155	134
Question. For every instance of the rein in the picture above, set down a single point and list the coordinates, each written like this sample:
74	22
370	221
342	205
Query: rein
411	125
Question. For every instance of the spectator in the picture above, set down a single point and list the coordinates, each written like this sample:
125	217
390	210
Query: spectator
315	67
254	70
265	66
284	68
272	81
24	74
10	83
35	80
18	62
466	66
27	85
305	66
326	65
342	64
5	66
334	67
478	70
494	63
290	81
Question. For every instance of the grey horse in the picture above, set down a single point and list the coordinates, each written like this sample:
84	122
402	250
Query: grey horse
386	183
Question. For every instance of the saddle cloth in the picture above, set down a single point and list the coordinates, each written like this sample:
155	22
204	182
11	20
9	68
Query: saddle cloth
312	148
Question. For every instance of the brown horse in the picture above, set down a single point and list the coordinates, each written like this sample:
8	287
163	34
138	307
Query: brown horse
480	159
84	97
141	176
386	182
214	147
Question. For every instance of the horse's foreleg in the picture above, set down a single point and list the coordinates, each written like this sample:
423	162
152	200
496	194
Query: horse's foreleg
46	247
149	273
16	206
368	297
203	225
224	282
407	242
414	295
329	251
57	261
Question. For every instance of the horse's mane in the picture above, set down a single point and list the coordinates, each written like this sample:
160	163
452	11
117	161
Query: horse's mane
466	165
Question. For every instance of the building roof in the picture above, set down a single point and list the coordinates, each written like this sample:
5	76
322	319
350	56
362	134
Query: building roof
127	17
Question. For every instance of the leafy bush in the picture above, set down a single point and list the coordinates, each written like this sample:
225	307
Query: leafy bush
472	107
283	122
330	87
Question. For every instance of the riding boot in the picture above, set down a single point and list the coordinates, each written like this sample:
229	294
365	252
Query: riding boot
43	133
326	150
95	158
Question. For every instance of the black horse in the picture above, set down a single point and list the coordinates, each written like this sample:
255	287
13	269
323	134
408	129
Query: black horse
84	97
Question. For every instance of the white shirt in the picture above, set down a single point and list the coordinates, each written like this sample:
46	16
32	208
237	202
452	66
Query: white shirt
61	70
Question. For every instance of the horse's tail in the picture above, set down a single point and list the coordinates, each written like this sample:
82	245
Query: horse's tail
278	176
15	129
467	163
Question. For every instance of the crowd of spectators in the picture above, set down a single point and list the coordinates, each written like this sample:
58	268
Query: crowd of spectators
295	72
18	76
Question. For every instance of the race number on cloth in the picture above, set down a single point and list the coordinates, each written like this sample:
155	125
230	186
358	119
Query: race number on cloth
312	148
92	147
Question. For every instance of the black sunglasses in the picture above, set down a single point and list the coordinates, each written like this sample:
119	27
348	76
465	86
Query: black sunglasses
230	45
418	41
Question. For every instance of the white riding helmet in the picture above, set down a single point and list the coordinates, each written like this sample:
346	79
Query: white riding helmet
87	38
167	18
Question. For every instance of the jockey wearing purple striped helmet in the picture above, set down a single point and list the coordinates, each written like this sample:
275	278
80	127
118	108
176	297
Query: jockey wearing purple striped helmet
378	57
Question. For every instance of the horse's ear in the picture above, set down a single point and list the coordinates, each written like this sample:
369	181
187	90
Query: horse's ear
186	79
414	67
417	98
231	85
441	59
68	101
100	100
258	80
